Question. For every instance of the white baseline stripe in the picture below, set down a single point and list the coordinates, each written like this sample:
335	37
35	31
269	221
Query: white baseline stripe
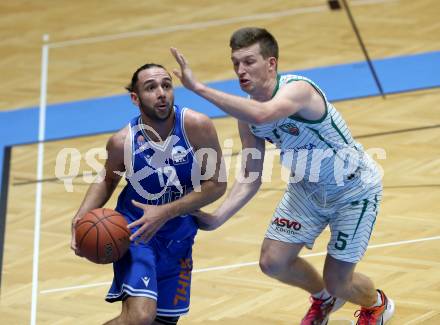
424	317
209	23
349	321
233	266
40	165
370	2
98	284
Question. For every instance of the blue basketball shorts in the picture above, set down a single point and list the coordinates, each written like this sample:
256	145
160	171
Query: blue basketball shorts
160	270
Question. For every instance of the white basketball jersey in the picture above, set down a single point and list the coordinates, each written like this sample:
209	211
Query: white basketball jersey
322	151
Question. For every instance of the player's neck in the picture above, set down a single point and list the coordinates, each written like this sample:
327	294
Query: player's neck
266	92
162	127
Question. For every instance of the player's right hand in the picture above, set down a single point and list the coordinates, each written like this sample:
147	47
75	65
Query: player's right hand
185	74
206	221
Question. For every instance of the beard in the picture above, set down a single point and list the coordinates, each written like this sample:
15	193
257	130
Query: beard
155	115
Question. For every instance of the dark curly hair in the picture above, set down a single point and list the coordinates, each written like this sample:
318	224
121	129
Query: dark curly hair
131	87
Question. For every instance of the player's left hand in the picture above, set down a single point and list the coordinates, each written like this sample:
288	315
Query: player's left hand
73	244
153	219
185	74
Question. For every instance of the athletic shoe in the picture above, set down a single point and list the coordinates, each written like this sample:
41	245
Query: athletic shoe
320	310
376	315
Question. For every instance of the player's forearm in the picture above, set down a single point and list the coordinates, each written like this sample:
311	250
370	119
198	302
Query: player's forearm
246	110
240	194
208	193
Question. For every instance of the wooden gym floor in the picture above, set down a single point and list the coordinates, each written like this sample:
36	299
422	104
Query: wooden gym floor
404	255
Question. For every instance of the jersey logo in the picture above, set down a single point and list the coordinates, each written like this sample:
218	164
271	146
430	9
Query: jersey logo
158	160
290	128
179	155
146	281
140	140
286	223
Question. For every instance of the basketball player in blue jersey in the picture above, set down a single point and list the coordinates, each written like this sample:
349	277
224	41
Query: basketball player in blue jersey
338	184
166	181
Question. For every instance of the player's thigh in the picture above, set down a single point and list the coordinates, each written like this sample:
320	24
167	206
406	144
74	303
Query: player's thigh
174	270
296	219
351	229
135	274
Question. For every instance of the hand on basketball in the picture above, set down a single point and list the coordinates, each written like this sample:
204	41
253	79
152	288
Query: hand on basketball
153	218
185	74
73	245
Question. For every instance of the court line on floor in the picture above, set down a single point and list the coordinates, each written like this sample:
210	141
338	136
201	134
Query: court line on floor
423	317
334	320
186	27
238	265
420	128
204	24
39	186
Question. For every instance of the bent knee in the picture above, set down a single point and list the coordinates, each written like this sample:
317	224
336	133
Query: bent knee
272	266
141	317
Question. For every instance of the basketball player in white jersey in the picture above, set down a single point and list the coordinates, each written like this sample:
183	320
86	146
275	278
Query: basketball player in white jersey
333	181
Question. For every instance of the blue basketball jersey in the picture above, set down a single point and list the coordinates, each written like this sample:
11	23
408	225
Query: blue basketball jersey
159	173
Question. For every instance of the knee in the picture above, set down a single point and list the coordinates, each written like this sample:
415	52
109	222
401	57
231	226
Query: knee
141	317
270	265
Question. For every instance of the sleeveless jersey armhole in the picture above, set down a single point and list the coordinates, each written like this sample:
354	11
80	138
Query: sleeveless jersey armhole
185	136
132	146
324	99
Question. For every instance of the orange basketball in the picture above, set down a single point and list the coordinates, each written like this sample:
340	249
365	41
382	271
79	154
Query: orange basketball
102	236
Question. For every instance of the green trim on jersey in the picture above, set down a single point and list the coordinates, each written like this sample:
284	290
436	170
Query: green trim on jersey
303	120
364	208
277	86
375	203
338	130
321	138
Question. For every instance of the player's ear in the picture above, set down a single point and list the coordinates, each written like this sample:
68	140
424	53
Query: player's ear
273	63
134	98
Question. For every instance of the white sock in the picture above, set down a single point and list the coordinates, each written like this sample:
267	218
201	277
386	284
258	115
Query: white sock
379	300
323	295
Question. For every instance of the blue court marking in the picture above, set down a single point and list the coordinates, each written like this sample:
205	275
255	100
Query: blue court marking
107	114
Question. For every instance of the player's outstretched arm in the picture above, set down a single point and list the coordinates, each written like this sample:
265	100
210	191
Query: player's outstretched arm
244	189
207	181
100	191
289	100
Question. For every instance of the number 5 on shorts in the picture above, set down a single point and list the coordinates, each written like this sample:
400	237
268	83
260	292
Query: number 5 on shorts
341	241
